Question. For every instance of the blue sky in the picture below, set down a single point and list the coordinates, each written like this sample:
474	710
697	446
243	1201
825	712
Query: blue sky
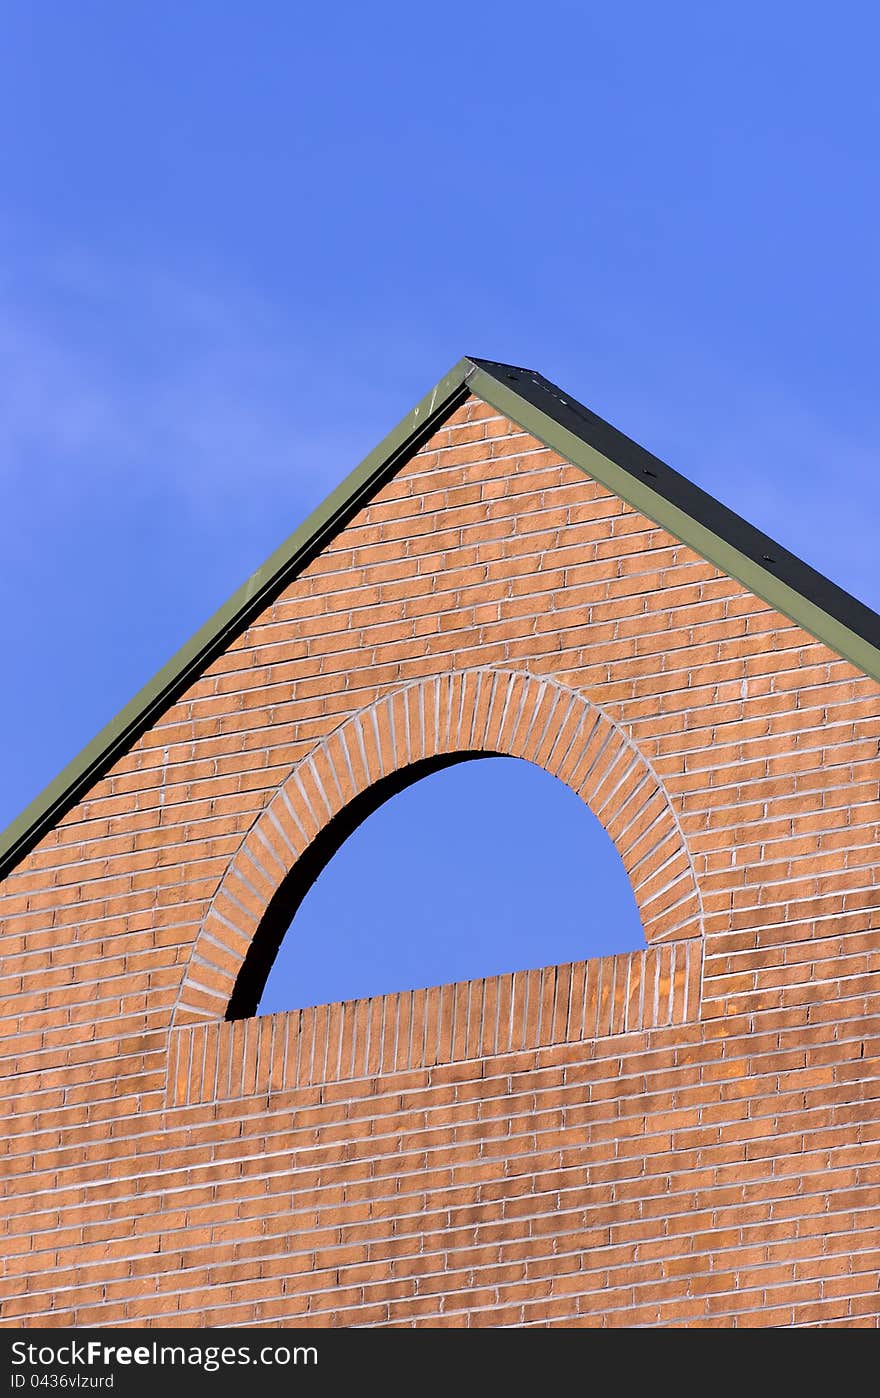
237	242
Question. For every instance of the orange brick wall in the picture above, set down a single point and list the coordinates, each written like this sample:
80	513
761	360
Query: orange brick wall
688	1134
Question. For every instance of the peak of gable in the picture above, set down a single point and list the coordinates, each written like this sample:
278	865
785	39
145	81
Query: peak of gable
576	434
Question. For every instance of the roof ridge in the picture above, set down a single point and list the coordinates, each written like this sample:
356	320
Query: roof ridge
716	532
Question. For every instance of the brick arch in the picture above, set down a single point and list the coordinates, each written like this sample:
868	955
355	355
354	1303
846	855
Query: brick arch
468	713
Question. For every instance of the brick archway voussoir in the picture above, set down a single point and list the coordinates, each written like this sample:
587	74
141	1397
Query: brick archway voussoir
512	713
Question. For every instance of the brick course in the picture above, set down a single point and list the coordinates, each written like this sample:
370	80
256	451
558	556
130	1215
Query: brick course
612	1164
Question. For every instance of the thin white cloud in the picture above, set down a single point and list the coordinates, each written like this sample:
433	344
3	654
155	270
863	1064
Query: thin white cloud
117	375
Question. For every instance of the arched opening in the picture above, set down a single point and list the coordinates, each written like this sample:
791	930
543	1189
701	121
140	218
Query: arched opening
377	752
451	869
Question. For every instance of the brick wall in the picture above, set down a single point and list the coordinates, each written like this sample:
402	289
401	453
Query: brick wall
688	1134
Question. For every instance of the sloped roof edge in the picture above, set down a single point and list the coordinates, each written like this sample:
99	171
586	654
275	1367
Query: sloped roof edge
722	537
231	619
717	533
